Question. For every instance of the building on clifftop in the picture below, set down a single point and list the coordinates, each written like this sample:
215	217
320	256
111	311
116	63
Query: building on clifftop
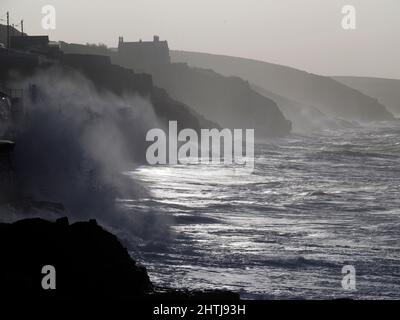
143	55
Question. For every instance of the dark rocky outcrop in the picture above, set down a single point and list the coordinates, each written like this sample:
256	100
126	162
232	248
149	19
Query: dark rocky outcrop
89	261
7	174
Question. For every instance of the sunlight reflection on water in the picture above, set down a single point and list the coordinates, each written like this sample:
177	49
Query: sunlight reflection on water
312	205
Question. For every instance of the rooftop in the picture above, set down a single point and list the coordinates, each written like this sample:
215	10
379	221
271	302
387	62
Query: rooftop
137	44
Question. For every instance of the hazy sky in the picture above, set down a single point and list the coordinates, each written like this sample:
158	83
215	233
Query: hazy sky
305	34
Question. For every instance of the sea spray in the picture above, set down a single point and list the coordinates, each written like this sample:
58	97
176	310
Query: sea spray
75	143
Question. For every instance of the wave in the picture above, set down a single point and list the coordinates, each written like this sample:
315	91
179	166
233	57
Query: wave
74	144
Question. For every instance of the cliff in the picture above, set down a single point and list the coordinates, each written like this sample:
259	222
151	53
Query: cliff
329	96
79	50
387	91
95	63
230	101
90	263
106	77
120	80
305	118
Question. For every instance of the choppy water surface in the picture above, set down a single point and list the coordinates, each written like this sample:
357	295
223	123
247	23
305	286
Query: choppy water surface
312	205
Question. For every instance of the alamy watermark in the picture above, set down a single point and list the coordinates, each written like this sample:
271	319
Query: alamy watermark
49	17
49	280
213	146
349	278
349	20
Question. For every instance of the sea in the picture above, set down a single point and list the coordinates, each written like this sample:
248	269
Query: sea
315	205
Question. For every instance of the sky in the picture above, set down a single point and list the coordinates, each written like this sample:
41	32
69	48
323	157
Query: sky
305	34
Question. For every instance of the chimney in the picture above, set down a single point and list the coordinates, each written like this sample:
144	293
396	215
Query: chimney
156	38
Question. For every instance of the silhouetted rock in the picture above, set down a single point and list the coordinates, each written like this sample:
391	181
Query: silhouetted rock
7	178
89	262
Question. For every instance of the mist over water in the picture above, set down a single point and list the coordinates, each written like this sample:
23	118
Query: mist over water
314	203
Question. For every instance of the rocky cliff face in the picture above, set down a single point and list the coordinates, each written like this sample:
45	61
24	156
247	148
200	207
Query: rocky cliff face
327	95
119	80
229	101
387	91
89	263
304	118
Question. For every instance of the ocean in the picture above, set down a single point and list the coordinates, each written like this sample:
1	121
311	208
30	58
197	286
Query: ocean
313	204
